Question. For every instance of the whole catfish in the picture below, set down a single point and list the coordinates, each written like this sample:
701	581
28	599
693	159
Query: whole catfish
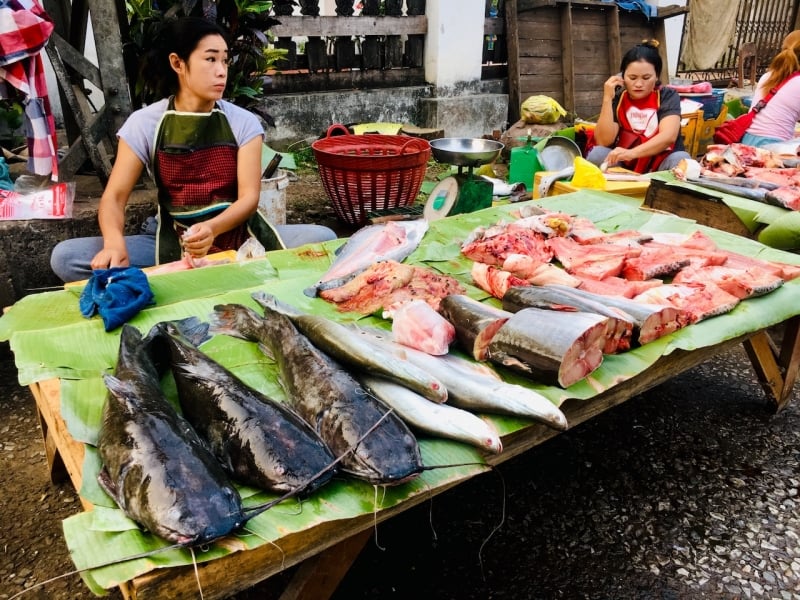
258	440
329	398
156	468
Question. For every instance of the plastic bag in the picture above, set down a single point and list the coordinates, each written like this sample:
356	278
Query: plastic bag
53	202
588	175
541	109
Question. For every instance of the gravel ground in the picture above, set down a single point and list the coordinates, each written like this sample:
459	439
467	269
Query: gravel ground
687	491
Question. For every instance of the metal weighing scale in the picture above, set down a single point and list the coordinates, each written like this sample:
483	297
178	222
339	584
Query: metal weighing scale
463	192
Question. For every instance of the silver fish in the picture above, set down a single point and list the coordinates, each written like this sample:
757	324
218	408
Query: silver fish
439	420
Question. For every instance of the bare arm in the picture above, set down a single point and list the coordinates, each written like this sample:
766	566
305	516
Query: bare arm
606	130
200	237
111	212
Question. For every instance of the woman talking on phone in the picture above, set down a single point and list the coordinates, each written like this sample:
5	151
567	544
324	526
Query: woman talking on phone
639	127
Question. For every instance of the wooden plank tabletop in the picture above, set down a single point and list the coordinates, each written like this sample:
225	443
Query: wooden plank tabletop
329	548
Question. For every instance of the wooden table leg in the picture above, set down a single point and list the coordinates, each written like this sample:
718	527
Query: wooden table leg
318	576
775	368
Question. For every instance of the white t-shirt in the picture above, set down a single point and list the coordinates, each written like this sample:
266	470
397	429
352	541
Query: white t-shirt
779	117
139	129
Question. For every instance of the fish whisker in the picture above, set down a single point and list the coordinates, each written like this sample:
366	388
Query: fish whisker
375	516
196	573
260	508
496	527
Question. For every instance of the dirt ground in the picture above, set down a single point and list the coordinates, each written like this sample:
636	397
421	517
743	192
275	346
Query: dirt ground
653	499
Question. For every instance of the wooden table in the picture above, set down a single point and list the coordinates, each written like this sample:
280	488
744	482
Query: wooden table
325	552
704	208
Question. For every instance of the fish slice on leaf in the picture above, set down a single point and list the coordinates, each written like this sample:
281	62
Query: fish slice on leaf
258	440
329	399
393	240
155	466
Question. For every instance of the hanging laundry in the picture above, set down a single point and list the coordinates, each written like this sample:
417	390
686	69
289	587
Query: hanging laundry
24	30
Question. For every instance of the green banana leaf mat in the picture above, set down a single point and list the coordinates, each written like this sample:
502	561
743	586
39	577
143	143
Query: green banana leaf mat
50	338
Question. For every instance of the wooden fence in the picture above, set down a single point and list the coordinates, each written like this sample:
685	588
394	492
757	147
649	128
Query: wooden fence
381	46
762	22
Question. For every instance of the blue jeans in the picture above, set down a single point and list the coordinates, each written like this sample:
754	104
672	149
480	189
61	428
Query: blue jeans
71	259
599	153
758	141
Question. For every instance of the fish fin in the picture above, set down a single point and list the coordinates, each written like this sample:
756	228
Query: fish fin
272	302
106	484
266	350
118	387
224	321
193	330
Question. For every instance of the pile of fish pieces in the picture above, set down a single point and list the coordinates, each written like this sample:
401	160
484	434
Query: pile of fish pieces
612	291
746	171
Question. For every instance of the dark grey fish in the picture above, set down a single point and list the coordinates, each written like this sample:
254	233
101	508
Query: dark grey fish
157	469
329	398
259	441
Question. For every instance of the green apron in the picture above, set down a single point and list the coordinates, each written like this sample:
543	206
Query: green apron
194	166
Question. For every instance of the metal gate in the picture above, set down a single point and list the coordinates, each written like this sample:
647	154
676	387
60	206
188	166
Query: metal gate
762	22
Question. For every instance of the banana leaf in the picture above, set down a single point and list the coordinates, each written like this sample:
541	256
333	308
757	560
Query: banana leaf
753	214
50	338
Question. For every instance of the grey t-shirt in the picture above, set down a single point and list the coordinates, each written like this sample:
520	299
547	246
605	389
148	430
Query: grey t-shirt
139	130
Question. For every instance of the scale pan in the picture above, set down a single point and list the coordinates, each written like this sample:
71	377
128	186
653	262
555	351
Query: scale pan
465	152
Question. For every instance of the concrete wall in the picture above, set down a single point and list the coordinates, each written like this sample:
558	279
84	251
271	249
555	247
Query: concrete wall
467	110
454	98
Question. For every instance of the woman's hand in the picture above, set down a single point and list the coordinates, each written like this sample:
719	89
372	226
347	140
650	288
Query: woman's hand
620	155
197	240
110	257
611	85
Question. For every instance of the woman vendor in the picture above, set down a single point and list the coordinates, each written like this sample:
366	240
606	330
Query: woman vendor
204	154
639	126
776	122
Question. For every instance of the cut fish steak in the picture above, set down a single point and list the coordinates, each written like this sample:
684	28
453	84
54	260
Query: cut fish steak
551	346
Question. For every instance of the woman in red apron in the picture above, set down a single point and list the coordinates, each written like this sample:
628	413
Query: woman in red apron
639	126
205	156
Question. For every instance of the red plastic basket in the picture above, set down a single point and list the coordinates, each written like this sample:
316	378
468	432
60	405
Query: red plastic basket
365	173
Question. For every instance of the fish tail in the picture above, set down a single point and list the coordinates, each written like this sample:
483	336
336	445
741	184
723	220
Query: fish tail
235	320
192	329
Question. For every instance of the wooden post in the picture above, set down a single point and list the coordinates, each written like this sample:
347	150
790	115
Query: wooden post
512	42
567	57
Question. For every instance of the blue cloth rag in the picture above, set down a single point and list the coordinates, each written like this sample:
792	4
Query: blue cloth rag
118	294
641	5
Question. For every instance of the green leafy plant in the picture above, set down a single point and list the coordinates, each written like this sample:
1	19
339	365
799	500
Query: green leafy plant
247	23
11	120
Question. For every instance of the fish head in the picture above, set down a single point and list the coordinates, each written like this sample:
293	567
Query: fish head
210	517
381	463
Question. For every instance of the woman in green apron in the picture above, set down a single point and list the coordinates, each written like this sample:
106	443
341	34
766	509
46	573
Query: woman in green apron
205	156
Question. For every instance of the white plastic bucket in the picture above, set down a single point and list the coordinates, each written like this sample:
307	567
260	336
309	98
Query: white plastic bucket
272	199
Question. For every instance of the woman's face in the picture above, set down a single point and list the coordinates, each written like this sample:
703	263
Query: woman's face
205	74
640	79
